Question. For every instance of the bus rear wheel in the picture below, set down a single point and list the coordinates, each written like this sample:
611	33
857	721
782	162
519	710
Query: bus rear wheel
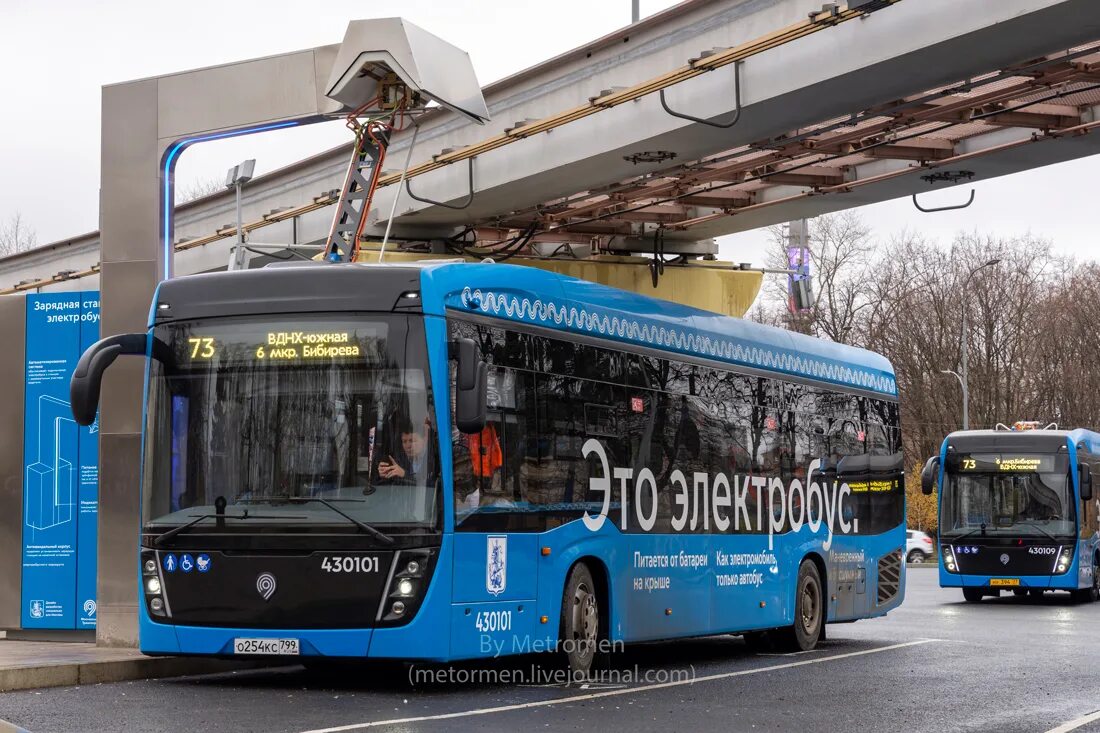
809	612
973	595
580	620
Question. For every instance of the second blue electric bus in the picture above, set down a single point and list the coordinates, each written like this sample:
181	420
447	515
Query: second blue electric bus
1017	512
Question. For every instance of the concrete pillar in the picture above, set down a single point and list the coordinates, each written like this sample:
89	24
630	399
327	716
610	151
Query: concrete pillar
131	264
13	320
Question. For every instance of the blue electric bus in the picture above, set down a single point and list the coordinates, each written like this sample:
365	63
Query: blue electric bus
452	461
1016	512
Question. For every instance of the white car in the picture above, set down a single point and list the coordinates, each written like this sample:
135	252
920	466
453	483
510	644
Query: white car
918	546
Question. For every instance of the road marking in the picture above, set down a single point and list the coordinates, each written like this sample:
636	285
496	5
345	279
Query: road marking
1076	723
615	693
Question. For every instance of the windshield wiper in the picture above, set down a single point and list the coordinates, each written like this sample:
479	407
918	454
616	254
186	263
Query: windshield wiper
965	534
378	535
160	539
1033	523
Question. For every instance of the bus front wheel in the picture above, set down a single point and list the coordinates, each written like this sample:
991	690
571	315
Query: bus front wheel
809	612
580	620
973	595
1090	594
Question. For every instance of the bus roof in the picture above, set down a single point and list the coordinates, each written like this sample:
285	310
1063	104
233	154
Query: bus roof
995	440
551	300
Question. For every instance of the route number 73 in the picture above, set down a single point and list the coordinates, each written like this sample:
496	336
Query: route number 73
201	348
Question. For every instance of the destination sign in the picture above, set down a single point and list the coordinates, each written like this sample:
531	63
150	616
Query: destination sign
1005	463
276	346
874	487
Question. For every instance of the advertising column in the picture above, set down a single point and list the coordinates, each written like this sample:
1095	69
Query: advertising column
56	476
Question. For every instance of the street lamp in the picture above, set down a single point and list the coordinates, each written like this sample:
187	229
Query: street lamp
963	376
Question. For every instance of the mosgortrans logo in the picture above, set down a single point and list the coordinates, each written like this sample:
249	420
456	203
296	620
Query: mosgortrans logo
704	500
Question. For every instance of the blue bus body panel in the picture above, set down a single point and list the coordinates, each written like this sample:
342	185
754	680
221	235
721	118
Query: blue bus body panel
684	599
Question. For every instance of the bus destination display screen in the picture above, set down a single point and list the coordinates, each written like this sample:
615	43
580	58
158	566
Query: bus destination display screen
1005	463
272	345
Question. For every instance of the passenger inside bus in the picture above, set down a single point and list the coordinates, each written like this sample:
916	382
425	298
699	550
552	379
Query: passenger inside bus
486	459
412	463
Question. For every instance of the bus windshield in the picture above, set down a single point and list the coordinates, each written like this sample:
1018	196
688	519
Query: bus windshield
306	422
1008	496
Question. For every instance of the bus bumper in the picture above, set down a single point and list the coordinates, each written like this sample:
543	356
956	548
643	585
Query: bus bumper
425	637
1067	581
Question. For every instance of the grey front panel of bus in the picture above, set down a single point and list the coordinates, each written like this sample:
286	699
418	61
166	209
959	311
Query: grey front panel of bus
307	288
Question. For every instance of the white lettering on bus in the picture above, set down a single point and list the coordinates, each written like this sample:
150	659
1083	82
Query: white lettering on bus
711	496
602	483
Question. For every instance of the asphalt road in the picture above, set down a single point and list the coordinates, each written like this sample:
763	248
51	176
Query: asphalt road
936	664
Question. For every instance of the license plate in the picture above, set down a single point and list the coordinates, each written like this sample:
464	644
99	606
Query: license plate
266	646
1004	581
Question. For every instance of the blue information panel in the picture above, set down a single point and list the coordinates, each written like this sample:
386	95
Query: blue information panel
61	471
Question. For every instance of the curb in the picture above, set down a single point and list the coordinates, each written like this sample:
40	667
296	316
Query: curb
91	673
6	727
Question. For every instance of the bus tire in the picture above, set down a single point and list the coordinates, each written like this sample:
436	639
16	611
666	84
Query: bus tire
580	620
809	612
973	595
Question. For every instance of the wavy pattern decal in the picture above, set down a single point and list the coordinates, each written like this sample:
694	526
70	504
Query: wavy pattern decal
591	320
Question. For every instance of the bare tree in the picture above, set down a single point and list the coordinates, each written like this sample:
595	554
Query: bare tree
841	250
1030	336
16	235
199	188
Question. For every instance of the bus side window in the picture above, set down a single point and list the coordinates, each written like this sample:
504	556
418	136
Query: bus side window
1090	508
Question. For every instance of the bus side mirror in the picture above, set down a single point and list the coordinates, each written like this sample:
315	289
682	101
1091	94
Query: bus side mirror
88	375
928	475
1084	475
471	387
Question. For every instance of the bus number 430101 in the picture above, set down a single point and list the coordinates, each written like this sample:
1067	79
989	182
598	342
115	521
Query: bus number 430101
493	621
358	564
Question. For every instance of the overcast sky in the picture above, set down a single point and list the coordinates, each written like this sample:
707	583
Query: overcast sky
55	56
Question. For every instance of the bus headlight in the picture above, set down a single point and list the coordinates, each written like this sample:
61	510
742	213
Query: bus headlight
1065	558
153	585
410	574
949	560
